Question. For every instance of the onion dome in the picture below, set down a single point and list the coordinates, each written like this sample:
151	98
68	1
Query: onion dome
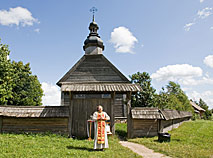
93	44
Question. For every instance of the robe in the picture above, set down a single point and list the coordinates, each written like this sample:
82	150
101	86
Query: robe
100	142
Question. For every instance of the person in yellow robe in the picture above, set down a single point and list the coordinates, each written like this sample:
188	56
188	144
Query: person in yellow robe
100	133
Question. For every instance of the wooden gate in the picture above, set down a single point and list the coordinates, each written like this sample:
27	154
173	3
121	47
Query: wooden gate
82	110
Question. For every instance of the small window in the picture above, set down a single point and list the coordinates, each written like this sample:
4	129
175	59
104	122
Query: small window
79	96
92	96
106	96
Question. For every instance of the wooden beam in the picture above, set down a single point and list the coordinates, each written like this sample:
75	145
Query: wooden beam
112	113
70	115
129	119
1	124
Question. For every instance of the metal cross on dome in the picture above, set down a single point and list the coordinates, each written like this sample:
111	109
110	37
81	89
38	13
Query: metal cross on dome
93	10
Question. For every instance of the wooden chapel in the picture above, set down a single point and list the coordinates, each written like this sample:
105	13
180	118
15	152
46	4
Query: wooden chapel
93	81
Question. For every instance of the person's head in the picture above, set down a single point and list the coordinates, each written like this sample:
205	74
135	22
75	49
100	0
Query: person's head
99	108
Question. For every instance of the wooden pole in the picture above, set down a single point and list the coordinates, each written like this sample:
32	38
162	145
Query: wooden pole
90	130
129	119
70	115
112	122
1	124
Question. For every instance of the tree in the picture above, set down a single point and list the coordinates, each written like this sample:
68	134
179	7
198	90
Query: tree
207	113
6	81
178	99
173	98
27	89
145	98
17	84
161	99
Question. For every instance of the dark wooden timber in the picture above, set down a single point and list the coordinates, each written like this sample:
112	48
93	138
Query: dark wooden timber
70	115
1	124
112	113
129	120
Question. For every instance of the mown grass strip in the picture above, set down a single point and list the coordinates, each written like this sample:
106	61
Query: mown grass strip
192	139
56	146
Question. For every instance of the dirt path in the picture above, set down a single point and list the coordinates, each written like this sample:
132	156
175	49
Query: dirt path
142	150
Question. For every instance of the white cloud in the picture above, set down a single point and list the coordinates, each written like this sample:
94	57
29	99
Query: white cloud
37	30
204	13
201	1
51	94
184	74
17	16
194	82
209	61
206	96
177	72
211	28
187	27
201	14
123	40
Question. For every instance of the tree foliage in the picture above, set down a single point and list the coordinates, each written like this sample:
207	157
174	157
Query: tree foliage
175	98
171	97
207	114
17	84
145	98
6	75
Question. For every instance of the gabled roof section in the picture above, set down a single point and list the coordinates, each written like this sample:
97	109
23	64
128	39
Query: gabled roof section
196	107
93	69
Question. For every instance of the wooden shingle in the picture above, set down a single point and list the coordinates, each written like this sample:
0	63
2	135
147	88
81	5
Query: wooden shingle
98	87
146	113
31	111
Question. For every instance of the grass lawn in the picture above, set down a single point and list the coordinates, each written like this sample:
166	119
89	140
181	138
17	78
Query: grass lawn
192	139
55	146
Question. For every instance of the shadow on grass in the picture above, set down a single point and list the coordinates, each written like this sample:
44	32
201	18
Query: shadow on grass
34	134
80	148
172	140
122	135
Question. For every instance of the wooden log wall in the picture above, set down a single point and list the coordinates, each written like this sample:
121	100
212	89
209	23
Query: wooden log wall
144	128
168	125
151	127
35	125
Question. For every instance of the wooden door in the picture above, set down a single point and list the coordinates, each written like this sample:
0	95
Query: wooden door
82	110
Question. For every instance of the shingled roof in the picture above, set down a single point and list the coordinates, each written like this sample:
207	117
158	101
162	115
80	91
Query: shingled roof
95	73
155	113
101	87
34	111
146	113
170	114
196	107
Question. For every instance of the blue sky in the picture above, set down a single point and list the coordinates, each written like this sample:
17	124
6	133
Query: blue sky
171	40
